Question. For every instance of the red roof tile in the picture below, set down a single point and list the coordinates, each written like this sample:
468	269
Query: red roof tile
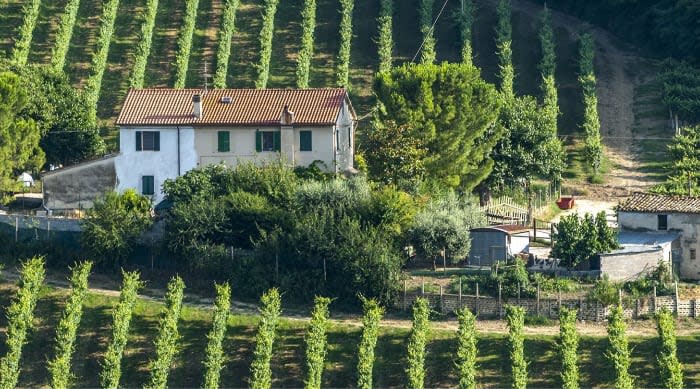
654	203
248	106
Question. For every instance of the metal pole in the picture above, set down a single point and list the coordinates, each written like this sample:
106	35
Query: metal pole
500	303
16	228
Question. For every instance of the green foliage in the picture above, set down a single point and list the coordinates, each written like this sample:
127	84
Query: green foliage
593	146
184	42
143	49
30	12
578	240
228	27
604	291
260	372
121	319
683	164
64	34
451	110
316	343
618	350
385	41
113	225
681	90
465	22
669	366
60	366
370	331
266	32
93	85
504	51
444	224
215	353
343	73
568	348
20	315
19	137
466	349
515	317
425	12
420	331
166	343
308	25
546	34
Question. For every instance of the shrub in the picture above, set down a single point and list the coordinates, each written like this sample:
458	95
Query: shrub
604	291
515	316
370	331
228	27
64	34
669	366
215	353
121	319
466	349
266	32
168	336
67	328
416	344
20	315
143	49
260	372
426	22
465	21
504	30
93	85
184	42
568	348
618	350
385	42
316	343
30	12
346	9
308	25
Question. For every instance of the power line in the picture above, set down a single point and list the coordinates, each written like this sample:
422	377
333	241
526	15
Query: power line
430	30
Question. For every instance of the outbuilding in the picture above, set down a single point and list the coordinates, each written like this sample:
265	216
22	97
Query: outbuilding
497	243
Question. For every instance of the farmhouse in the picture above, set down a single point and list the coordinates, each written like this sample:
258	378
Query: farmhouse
163	133
657	215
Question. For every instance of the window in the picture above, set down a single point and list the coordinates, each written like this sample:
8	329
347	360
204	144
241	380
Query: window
224	141
148	185
663	222
305	141
693	254
267	140
147	141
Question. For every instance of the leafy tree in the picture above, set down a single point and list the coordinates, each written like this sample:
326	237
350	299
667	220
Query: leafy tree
451	110
316	343
618	350
19	137
416	344
112	227
385	41
215	353
25	31
504	51
260	372
568	348
425	12
370	331
669	366
515	317
465	22
683	164
228	27
466	349
606	236
579	239
308	25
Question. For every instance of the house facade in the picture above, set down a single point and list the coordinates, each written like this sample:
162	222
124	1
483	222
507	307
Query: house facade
659	214
166	132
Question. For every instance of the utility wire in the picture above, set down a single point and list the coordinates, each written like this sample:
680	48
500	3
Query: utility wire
430	30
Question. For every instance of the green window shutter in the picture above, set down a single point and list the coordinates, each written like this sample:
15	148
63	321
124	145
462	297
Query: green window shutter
224	144
138	141
156	141
147	185
258	141
277	140
305	141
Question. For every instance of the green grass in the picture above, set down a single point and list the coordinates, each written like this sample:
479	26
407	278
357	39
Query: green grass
204	43
541	351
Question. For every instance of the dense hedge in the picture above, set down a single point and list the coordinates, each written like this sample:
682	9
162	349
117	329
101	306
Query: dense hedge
308	26
270	309
228	27
184	42
215	353
416	344
370	331
619	352
550	106
143	49
385	41
266	32
466	349
425	13
568	348
669	366
346	8
316	343
64	34
515	317
30	12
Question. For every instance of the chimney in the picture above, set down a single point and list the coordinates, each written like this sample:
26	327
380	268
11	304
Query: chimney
197	106
287	118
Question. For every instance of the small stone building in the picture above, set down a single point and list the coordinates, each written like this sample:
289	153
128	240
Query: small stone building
77	187
497	243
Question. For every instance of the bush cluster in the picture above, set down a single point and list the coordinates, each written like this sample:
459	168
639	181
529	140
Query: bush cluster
346	8
266	32
64	34
416	344
308	26
228	26
215	353
60	366
316	343
618	350
373	313
466	349
568	348
143	49
30	12
385	41
515	317
270	309
184	42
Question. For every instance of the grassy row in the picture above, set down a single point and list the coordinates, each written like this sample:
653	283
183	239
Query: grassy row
25	32
346	8
385	42
214	361
184	42
266	32
65	32
228	26
308	26
143	50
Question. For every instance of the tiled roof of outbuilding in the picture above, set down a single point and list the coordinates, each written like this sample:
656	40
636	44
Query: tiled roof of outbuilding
654	203
162	106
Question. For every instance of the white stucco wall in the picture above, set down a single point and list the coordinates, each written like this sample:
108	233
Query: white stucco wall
519	243
687	224
344	140
131	165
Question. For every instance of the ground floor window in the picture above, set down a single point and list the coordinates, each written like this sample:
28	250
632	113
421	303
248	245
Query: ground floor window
267	140
148	185
305	141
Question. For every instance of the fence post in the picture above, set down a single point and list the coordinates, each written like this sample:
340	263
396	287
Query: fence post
675	298
636	309
16	228
558	300
518	293
538	299
500	302
476	304
654	300
404	294
422	288
442	301
619	297
460	292
695	311
534	229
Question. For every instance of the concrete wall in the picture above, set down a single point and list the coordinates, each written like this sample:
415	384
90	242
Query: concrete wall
344	140
78	186
630	266
519	243
687	224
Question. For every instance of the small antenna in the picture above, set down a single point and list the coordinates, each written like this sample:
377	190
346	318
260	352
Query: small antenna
206	76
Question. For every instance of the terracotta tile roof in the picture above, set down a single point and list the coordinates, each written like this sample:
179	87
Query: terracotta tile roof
654	203
161	106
